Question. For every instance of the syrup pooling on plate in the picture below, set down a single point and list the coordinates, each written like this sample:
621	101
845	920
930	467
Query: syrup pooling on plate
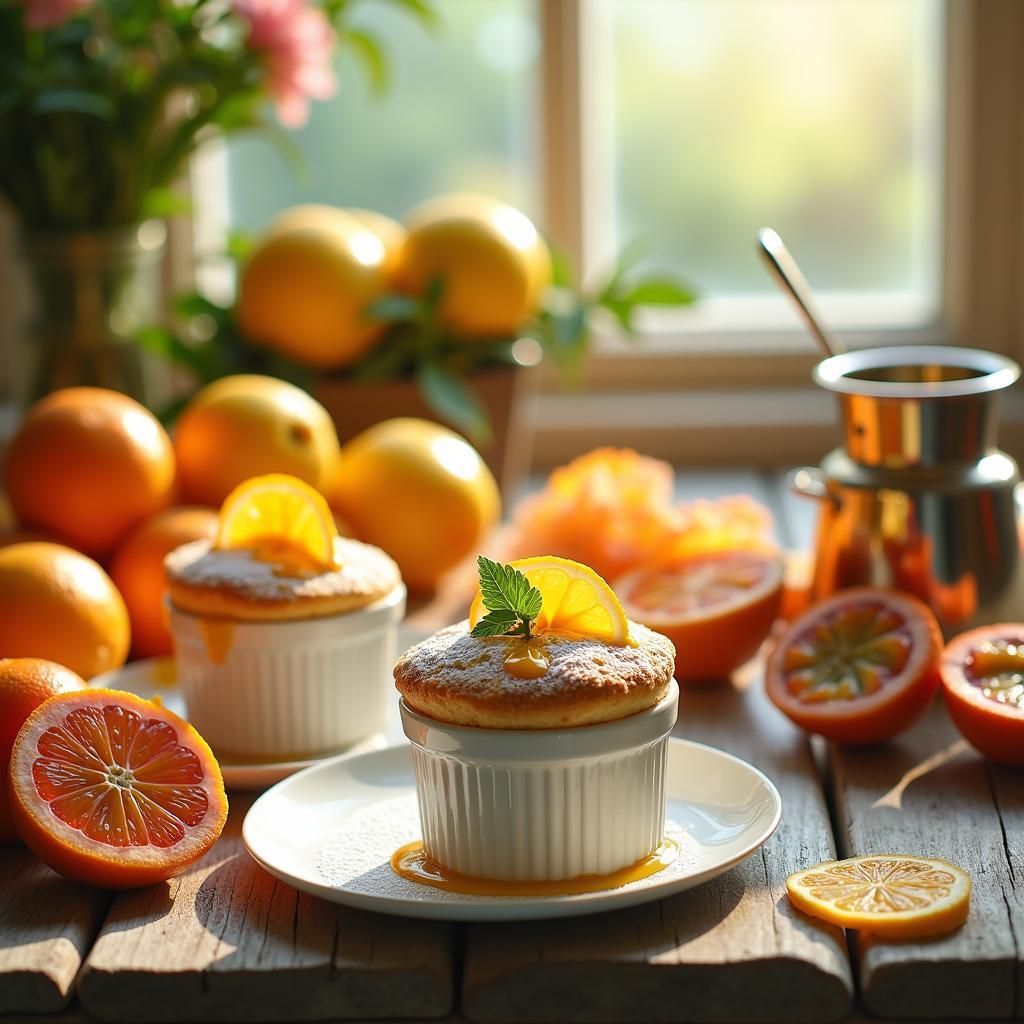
996	667
119	778
850	654
413	863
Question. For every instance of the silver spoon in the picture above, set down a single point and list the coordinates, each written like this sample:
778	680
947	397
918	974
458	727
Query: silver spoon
776	256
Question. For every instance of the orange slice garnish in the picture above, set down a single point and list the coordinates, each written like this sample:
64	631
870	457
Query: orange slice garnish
281	519
893	895
577	602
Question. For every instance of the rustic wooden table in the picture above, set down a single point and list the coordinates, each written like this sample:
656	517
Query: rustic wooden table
227	942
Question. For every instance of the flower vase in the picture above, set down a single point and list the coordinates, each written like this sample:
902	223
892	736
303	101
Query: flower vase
91	292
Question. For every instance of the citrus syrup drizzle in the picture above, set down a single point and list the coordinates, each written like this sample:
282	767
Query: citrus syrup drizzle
286	560
412	862
527	660
218	635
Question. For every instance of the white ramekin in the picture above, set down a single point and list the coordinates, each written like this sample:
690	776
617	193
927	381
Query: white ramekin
542	805
292	688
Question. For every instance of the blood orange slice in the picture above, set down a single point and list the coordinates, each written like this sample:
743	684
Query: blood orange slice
983	682
717	607
859	667
113	790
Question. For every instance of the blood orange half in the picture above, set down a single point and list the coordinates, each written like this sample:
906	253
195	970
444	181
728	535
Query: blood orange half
717	607
983	682
859	667
114	790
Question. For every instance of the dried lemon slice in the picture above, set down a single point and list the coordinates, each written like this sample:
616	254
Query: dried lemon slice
577	601
280	518
894	895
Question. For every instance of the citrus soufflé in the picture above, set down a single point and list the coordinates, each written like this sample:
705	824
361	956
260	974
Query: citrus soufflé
284	632
539	729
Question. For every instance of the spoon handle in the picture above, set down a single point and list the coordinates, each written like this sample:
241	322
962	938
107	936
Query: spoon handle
778	260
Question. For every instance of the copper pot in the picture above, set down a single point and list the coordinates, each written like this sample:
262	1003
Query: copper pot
919	497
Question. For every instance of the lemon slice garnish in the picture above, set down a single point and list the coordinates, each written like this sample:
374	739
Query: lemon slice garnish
893	895
280	518
577	602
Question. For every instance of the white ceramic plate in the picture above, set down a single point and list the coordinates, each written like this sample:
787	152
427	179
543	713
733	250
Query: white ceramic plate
331	830
157	677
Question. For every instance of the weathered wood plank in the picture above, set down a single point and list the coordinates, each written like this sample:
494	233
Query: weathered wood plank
928	793
46	926
731	950
226	941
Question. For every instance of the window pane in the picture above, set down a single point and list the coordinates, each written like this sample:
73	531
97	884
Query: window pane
458	114
820	118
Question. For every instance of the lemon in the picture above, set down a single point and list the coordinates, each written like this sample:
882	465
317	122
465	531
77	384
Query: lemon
390	233
247	425
576	600
892	895
419	491
305	289
281	518
492	261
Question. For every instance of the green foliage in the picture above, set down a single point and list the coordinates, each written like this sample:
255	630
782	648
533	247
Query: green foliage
512	602
417	345
99	114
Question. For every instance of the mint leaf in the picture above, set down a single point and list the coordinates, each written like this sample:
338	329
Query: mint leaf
499	585
495	623
508	596
530	605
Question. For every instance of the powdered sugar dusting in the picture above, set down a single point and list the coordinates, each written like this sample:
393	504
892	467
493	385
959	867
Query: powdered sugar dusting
357	857
365	571
453	660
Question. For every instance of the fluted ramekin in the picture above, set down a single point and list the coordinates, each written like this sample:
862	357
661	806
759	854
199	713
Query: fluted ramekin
542	805
298	687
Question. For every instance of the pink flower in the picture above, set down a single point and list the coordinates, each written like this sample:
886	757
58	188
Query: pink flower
40	14
295	39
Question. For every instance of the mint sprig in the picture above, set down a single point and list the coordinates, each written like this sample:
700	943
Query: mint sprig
512	602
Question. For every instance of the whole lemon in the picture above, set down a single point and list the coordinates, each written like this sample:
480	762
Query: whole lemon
419	491
390	233
247	425
86	465
305	288
60	605
493	262
137	569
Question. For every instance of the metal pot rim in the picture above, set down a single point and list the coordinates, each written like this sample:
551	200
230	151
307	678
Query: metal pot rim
995	372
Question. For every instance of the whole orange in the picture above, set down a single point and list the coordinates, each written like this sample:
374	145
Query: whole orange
137	569
492	261
248	425
88	464
304	289
24	684
58	604
419	491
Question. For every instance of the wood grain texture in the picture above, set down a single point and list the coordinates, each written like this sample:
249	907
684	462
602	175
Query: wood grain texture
226	941
731	950
928	793
46	927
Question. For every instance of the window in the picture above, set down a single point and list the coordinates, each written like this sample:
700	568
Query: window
459	112
822	118
880	137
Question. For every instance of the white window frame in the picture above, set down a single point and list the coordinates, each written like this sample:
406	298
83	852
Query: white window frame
751	385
